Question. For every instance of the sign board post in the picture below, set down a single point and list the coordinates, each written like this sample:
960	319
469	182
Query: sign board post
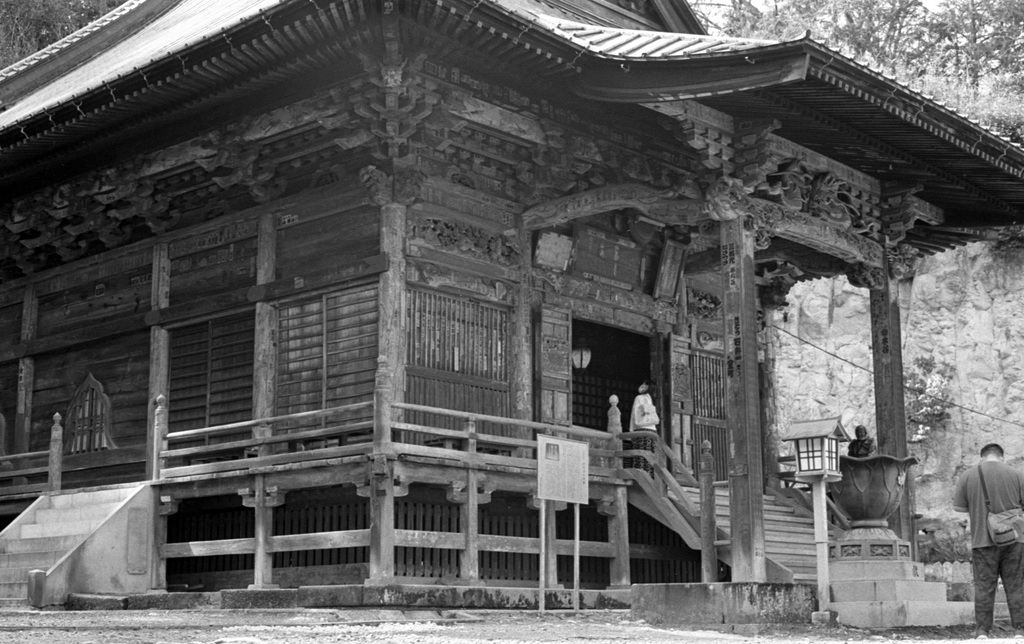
563	474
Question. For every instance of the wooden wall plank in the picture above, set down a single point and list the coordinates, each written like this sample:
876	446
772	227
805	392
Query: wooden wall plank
310	246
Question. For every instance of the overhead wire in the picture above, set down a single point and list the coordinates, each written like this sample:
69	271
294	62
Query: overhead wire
913	390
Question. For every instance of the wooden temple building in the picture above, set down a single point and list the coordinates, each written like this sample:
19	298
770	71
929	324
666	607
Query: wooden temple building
289	288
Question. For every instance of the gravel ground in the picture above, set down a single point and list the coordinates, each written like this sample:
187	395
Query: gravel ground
409	627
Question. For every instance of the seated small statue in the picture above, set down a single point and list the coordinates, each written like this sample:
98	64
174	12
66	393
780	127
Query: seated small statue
862	446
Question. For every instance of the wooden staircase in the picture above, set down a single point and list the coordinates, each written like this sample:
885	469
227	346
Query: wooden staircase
789	532
44	533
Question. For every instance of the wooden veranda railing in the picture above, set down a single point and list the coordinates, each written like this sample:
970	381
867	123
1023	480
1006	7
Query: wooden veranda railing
292	441
29	473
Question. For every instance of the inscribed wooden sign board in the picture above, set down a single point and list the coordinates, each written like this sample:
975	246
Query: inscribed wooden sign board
607	258
563	470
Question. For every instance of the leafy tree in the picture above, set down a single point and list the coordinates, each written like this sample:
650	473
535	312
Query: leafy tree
26	26
967	54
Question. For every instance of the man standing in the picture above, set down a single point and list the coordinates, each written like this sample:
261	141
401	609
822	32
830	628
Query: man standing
1005	489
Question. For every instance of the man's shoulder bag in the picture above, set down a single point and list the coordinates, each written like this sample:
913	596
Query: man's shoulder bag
1004	527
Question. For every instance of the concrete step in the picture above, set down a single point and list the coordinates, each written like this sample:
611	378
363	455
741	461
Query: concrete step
14	603
38	544
14	590
14	575
93	512
66	528
42	560
92	497
891	614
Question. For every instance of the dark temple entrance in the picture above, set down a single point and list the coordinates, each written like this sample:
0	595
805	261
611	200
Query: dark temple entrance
619	361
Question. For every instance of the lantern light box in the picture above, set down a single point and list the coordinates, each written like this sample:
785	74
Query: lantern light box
817	447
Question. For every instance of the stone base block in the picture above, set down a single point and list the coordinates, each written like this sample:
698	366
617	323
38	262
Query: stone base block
723	603
893	614
889	590
861	570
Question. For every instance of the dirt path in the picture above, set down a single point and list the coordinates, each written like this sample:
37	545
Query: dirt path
410	627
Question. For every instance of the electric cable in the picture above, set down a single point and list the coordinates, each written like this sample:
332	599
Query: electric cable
916	392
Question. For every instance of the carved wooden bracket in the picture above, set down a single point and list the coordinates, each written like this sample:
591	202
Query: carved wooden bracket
753	159
456	492
903	261
901	210
168	506
272	497
607	506
533	502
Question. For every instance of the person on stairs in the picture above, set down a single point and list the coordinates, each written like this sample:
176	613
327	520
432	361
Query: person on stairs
644	417
993	486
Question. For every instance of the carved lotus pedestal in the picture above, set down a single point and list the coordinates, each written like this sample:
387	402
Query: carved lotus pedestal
870	491
874	581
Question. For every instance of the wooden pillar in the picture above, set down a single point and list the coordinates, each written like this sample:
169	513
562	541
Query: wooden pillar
390	380
166	507
890	405
265	358
159	349
469	512
262	500
746	485
521	351
264	386
381	493
26	371
708	527
618	536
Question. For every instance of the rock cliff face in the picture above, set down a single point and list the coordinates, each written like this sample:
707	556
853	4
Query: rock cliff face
963	342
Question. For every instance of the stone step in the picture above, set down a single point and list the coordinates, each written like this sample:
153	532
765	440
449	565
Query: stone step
90	497
894	614
93	512
14	575
41	560
38	544
889	590
14	590
66	528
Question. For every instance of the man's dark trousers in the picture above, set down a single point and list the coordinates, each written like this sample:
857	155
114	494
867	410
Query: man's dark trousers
989	564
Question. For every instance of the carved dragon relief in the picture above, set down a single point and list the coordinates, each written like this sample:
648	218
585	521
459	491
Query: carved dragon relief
466	240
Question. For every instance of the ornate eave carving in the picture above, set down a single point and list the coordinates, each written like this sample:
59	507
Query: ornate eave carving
673	207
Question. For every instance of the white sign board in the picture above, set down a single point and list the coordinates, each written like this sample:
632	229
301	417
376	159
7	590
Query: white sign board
562	469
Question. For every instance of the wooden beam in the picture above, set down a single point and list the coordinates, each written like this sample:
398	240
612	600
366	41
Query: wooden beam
320	540
314	281
746	486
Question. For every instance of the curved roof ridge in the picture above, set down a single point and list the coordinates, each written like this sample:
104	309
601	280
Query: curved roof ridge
51	50
622	42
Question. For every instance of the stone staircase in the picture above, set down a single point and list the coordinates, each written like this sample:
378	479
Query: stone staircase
44	533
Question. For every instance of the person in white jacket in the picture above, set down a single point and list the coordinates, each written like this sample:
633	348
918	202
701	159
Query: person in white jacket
643	417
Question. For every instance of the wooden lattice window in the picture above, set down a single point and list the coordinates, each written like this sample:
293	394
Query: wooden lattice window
212	372
87	426
458	335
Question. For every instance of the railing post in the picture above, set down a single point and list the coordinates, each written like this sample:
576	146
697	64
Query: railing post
56	460
615	426
708	530
159	436
469	426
